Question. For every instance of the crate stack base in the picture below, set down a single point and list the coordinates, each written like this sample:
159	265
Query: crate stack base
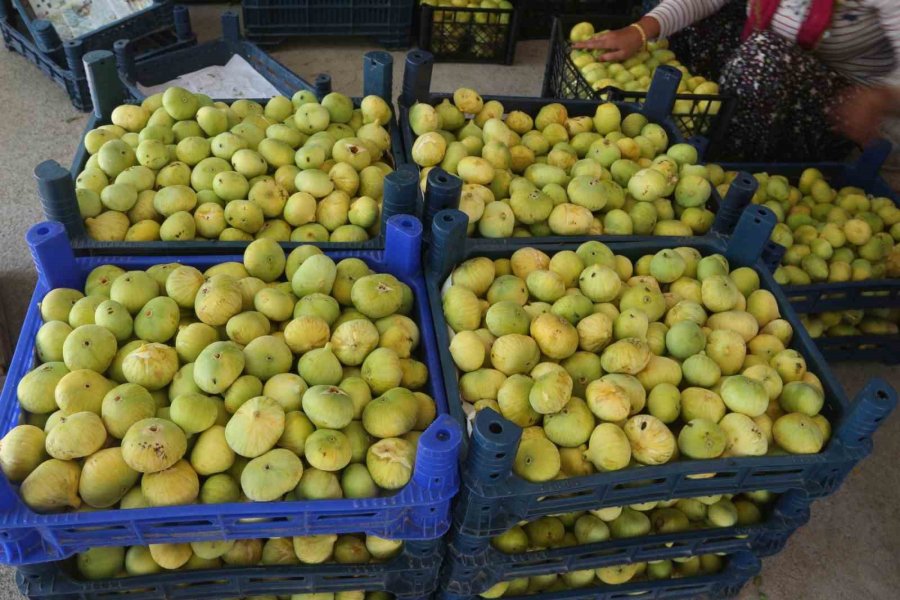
389	22
832	296
410	575
56	186
156	30
695	114
739	569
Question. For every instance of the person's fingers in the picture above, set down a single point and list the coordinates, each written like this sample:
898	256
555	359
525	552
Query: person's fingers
618	55
601	41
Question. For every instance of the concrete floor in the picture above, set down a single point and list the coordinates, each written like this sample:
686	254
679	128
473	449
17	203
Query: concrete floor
849	550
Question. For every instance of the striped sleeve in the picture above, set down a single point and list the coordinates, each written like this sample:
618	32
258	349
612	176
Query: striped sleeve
889	15
675	15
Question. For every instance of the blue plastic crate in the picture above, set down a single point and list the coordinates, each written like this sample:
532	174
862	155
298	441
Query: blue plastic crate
218	52
156	16
740	568
831	296
474	565
419	511
273	21
443	189
411	575
56	185
62	61
493	499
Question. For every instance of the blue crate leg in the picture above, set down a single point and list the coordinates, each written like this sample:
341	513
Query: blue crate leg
231	27
103	78
403	244
448	240
868	165
442	191
125	59
182	18
661	95
322	84
74	51
417	77
750	236
53	257
772	254
739	195
400	192
57	193
378	74
872	405
45	36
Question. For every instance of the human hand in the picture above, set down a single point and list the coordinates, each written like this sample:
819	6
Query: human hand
859	113
620	44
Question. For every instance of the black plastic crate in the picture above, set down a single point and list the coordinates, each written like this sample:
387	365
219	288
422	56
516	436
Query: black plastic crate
62	62
479	35
695	114
273	21
536	20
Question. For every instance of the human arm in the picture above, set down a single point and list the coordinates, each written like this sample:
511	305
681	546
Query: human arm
859	113
669	17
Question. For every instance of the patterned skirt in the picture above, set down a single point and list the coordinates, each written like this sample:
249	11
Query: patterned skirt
784	94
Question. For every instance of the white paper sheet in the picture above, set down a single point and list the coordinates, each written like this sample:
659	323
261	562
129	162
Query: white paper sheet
73	18
237	79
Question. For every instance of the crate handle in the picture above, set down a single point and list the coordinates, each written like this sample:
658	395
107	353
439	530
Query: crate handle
400	192
403	245
442	191
417	77
738	197
871	406
53	257
745	247
661	95
448	242
56	189
378	74
106	88
866	168
492	450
